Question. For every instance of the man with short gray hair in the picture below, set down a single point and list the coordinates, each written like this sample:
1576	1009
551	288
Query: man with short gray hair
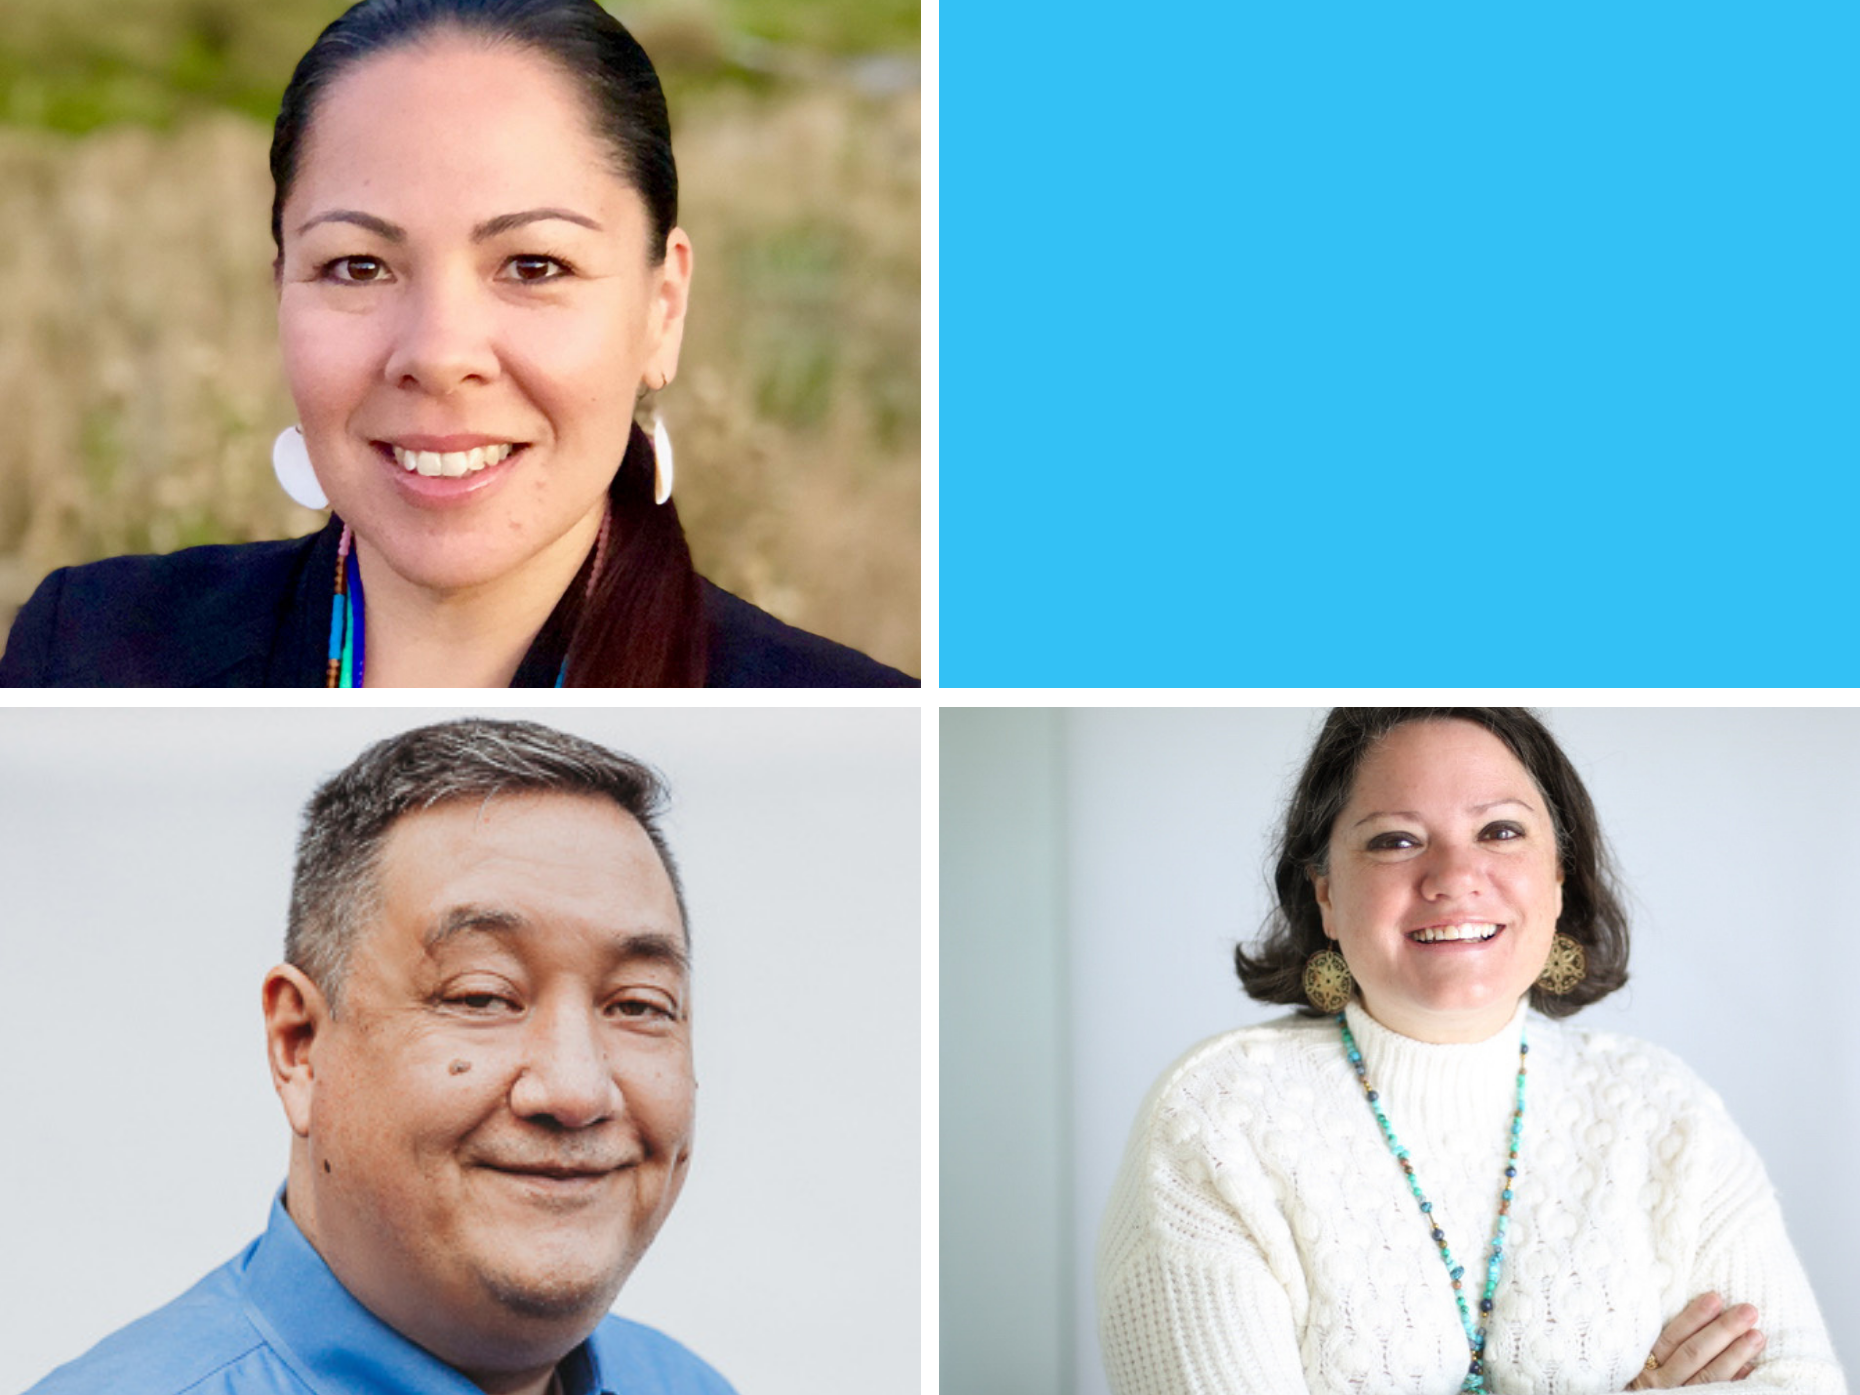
482	1041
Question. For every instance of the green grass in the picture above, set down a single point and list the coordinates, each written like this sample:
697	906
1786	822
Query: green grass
832	26
79	65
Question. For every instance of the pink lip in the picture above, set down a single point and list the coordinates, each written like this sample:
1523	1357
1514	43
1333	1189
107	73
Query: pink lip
549	1189
442	491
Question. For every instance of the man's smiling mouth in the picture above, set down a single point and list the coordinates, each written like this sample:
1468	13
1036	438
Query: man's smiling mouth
560	1169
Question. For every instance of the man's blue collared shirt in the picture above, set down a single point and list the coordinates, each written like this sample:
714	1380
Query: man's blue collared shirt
275	1321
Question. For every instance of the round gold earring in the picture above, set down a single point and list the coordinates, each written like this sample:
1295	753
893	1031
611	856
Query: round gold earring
1566	967
1328	981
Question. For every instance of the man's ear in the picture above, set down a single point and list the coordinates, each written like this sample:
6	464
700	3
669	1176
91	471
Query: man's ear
296	1012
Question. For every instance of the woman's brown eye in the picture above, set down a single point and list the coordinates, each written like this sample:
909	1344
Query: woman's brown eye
354	270
536	268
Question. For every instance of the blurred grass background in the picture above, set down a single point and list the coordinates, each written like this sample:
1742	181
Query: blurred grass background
140	384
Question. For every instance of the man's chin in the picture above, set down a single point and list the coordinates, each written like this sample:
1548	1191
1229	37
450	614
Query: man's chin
561	1294
519	1327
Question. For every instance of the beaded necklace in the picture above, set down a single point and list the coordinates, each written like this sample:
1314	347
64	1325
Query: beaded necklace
1474	1384
348	629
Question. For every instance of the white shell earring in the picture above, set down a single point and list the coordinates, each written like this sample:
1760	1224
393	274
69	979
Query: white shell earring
290	461
662	460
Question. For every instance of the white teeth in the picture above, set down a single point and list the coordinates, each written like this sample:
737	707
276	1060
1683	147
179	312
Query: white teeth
1474	931
452	463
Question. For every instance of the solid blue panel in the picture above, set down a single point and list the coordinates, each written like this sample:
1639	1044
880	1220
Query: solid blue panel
1325	344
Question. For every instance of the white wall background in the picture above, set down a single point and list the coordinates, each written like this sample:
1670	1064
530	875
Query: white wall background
1737	832
1005	1131
145	862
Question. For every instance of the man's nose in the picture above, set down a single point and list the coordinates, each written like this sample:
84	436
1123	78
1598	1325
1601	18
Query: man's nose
443	338
566	1076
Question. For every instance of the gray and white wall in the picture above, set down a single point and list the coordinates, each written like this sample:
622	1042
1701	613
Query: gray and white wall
145	861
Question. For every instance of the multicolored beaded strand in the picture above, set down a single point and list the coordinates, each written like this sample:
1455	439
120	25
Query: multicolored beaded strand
339	614
355	637
348	632
1474	1384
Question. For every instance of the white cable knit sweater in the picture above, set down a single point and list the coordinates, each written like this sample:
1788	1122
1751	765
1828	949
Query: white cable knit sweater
1261	1238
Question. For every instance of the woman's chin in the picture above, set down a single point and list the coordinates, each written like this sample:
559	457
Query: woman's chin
441	565
1466	1011
1479	995
459	551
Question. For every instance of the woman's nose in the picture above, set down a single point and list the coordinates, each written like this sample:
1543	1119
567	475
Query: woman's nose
443	339
1448	871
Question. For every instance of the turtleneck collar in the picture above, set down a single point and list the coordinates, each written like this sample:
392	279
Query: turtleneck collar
1457	1080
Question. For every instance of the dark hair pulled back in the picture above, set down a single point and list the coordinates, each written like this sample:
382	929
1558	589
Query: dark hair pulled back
590	46
1294	930
643	625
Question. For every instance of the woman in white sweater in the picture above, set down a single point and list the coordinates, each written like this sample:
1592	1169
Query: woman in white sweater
1421	1184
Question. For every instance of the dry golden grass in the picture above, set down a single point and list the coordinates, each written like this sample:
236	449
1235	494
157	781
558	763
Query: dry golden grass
140	382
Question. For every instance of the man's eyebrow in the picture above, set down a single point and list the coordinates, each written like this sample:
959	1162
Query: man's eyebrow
655	946
460	920
491	227
651	945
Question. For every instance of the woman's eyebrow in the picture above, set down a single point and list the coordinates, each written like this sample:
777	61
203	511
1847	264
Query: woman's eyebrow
504	222
491	227
380	227
1411	814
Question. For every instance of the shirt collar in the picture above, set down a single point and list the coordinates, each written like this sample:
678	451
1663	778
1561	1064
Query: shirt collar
334	1344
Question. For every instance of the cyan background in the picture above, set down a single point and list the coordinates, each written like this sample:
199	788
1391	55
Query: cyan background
1341	344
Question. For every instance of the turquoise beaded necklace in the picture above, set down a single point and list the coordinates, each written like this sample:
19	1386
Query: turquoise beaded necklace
1474	1384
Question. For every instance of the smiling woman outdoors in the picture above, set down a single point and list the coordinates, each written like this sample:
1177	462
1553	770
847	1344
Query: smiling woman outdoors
479	275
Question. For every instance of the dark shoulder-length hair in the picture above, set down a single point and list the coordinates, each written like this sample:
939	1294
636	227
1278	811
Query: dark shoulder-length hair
1294	930
641	624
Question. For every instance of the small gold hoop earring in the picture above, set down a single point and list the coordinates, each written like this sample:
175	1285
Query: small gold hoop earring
1328	981
1566	967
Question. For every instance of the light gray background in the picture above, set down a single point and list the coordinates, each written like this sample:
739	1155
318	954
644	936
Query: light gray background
145	860
1099	866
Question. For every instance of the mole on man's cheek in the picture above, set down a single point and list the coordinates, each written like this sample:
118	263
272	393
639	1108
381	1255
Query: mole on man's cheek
460	1067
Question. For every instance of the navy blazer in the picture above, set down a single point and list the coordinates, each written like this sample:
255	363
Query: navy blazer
257	616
